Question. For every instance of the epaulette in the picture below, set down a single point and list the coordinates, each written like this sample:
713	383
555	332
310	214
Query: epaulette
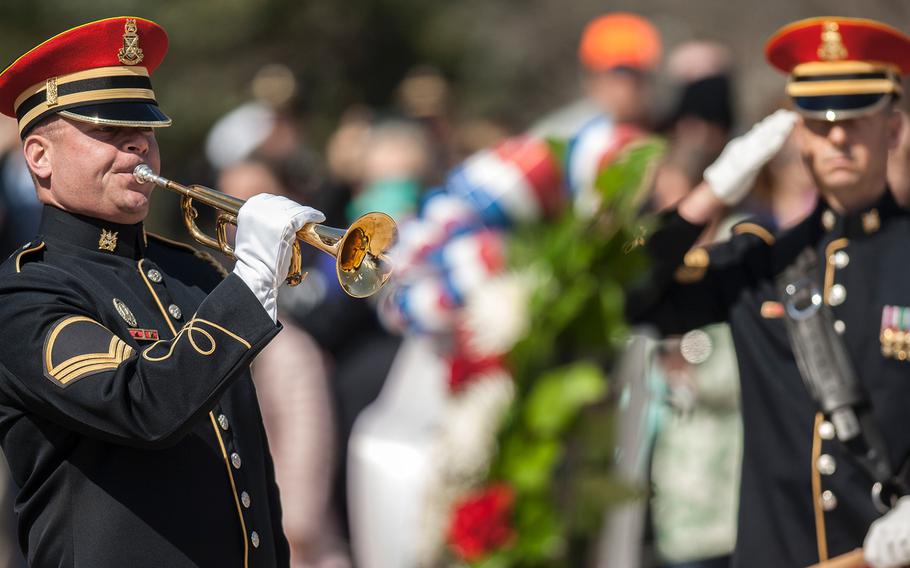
200	254
753	228
27	253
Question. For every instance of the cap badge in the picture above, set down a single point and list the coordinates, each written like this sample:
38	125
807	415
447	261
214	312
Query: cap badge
108	240
50	89
832	46
130	53
125	312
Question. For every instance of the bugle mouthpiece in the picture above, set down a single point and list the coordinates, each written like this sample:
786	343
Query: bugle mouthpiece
144	174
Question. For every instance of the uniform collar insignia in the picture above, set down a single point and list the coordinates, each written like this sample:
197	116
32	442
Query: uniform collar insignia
91	235
871	221
866	221
108	240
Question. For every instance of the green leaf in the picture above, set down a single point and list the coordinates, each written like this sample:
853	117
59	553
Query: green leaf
557	397
527	464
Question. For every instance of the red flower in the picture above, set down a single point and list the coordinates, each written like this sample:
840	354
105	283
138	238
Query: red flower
480	522
464	369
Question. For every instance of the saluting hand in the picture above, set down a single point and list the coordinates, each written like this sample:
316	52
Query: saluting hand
733	173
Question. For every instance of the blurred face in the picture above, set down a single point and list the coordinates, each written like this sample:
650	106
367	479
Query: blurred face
88	169
621	94
848	158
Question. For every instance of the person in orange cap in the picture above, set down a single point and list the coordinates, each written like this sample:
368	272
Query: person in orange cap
617	52
820	314
127	411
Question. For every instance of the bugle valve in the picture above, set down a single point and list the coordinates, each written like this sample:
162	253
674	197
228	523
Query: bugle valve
361	251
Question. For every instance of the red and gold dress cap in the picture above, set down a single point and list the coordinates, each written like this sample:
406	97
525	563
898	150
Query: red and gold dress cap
97	72
840	68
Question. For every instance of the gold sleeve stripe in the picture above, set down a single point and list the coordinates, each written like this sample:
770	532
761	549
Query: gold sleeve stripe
81	365
35	248
72	376
70	369
757	230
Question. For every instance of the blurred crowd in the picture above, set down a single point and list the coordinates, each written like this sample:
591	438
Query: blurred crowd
343	390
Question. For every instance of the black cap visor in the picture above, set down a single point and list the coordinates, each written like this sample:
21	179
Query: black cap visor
119	113
841	107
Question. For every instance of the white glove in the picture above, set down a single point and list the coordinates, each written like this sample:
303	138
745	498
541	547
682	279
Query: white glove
266	229
732	174
887	543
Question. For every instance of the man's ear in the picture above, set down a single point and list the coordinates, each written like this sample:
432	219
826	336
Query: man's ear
37	151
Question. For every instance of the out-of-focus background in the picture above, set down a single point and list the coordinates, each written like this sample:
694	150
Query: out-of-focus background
506	62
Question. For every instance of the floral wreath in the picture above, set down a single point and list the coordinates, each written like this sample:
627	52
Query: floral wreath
516	268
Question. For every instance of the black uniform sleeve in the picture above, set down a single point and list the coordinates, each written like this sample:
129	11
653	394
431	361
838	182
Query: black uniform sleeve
63	364
685	287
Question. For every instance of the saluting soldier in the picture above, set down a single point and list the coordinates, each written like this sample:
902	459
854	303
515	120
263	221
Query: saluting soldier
127	411
807	494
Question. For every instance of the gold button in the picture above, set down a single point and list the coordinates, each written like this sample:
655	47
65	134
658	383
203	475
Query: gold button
837	295
175	311
826	430
840	259
223	422
826	464
154	275
829	500
245	499
254	538
235	460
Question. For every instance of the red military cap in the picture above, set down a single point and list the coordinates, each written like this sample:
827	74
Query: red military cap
97	72
840	67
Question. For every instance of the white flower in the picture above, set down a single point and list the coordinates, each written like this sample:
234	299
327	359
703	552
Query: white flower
462	449
472	419
495	315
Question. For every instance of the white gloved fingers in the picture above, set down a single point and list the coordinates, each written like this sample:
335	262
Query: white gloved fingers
773	131
887	544
266	230
731	176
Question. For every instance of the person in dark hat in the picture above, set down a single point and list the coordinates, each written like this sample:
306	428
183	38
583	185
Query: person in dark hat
816	474
127	412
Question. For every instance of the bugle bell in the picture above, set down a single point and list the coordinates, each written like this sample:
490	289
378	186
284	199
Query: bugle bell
361	259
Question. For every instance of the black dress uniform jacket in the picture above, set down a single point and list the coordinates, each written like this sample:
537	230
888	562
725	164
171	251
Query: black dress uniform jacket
800	489
127	412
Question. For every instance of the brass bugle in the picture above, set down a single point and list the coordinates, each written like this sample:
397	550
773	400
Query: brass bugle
361	259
